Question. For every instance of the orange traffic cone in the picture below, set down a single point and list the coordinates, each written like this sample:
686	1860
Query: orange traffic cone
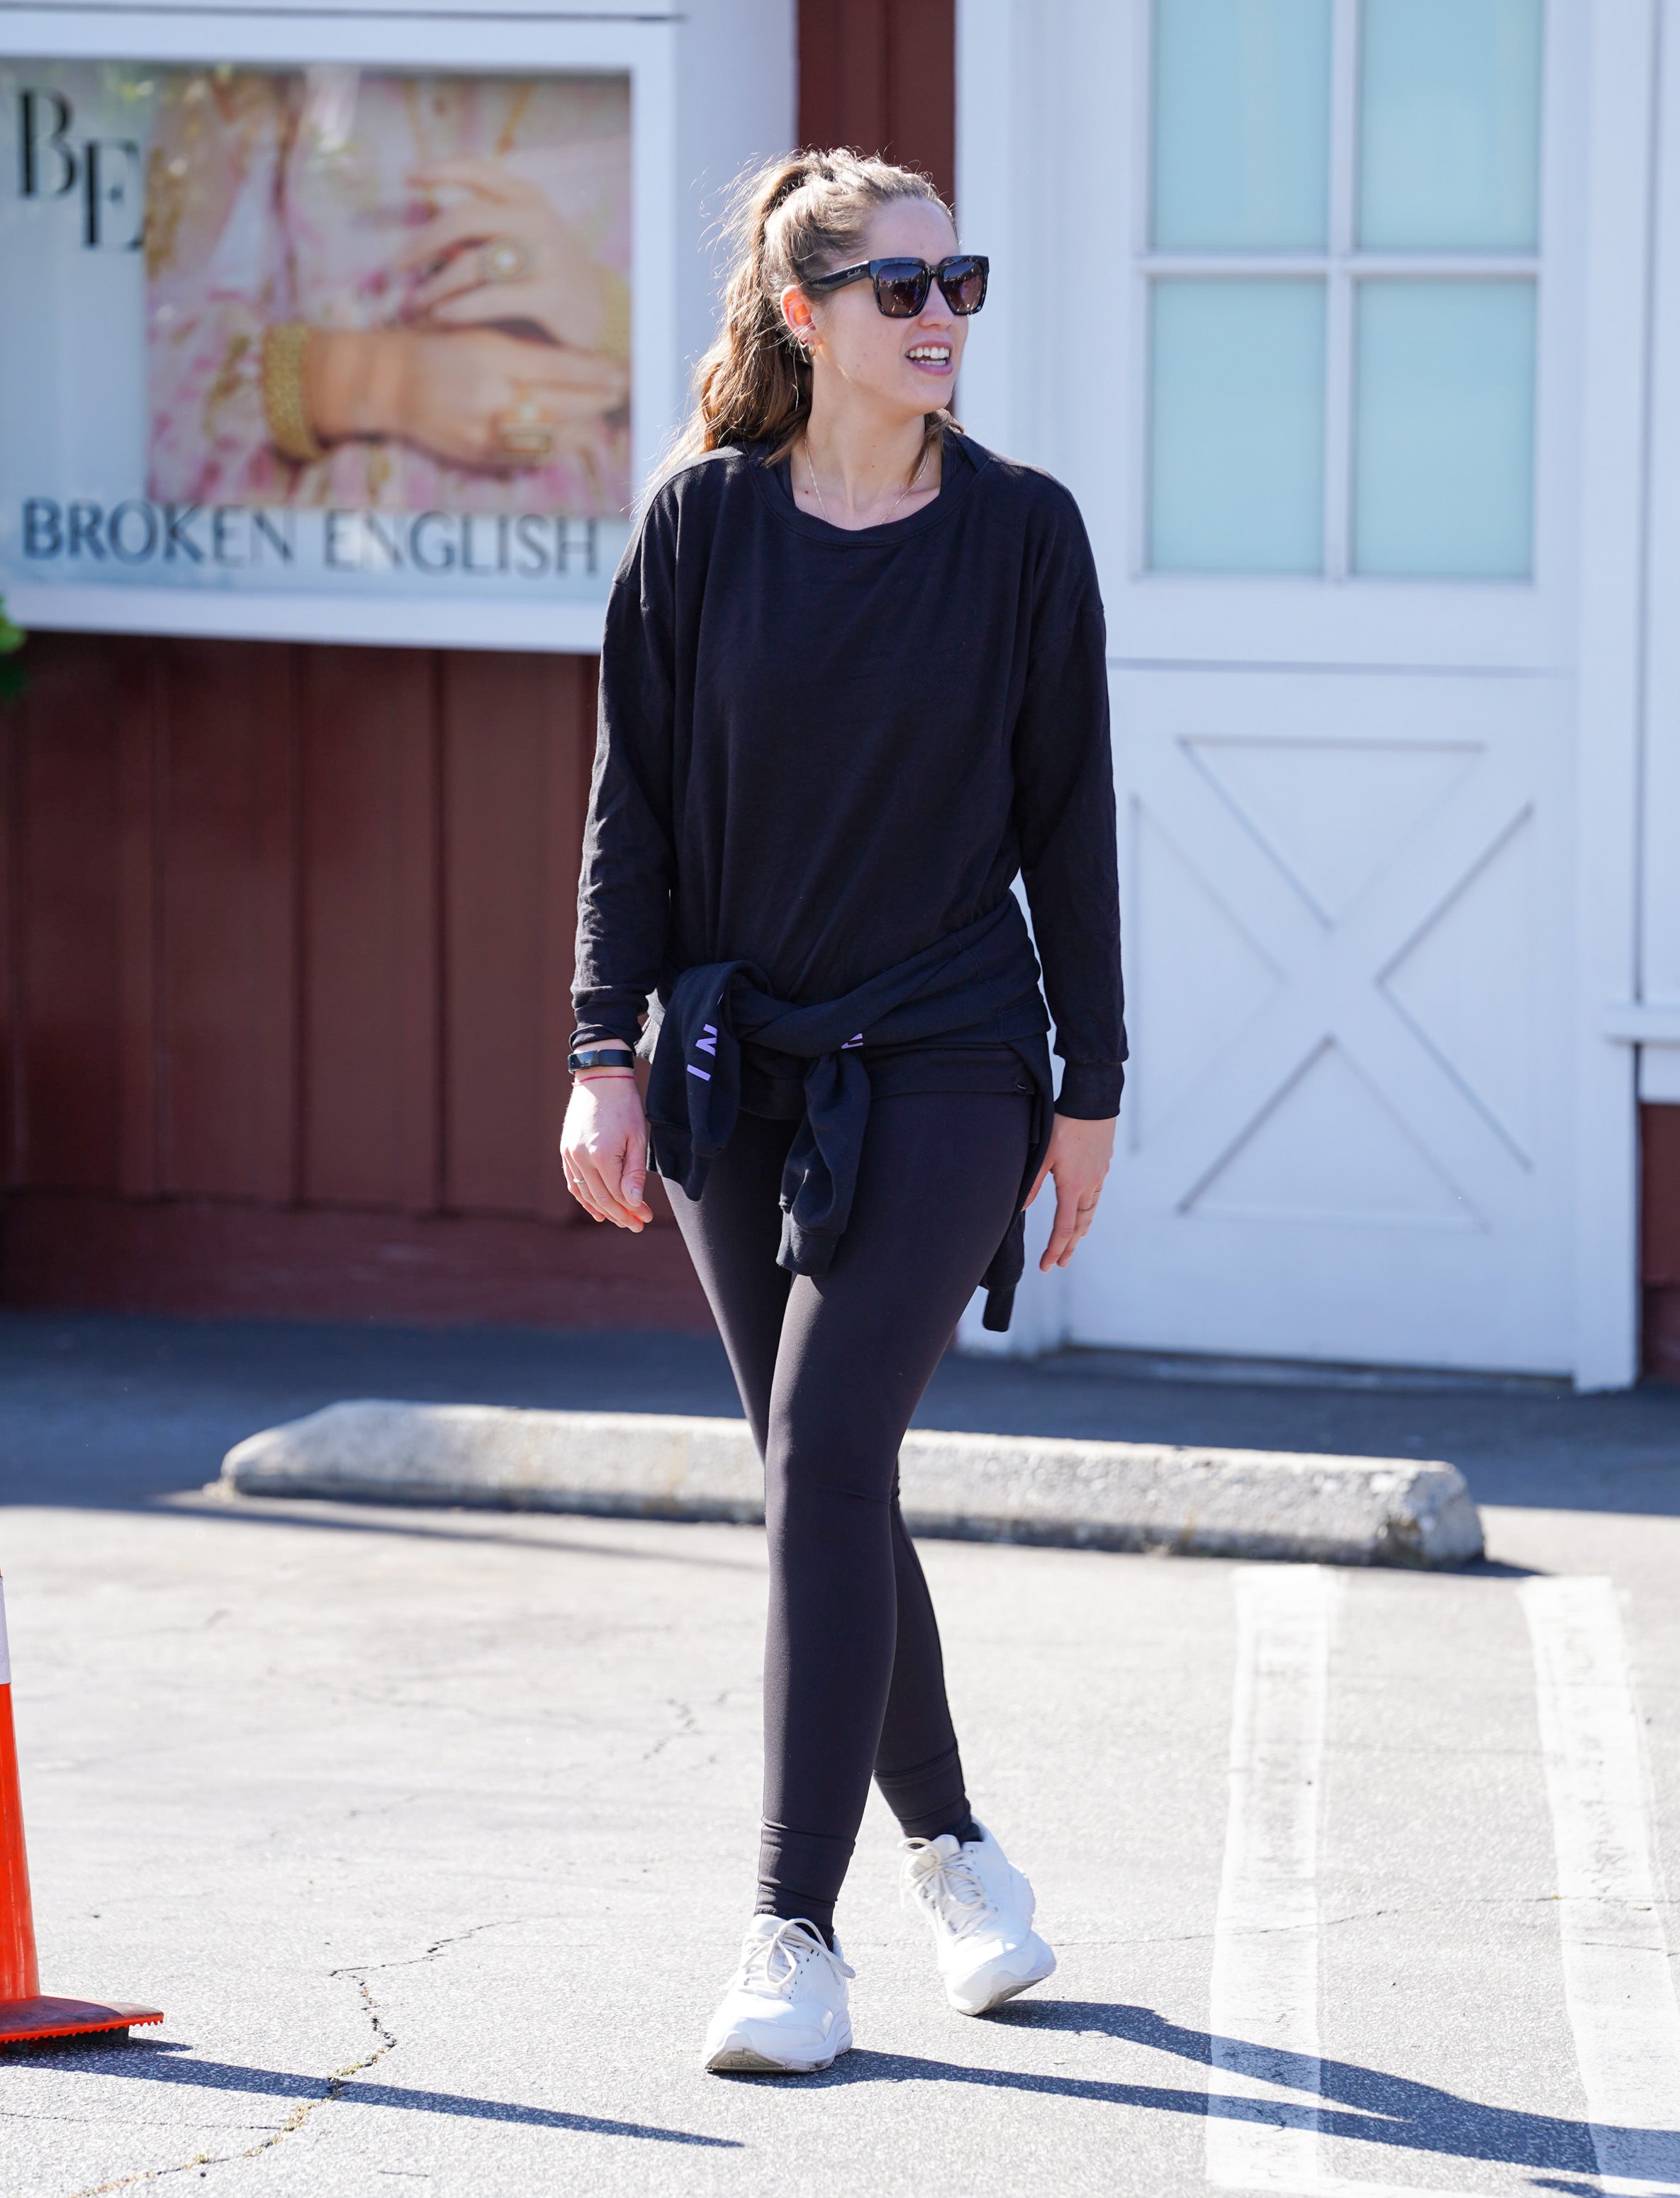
24	2013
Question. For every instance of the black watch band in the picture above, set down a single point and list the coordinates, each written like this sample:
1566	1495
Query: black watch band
599	1056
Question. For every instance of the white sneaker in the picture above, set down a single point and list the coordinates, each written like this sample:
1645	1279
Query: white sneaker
785	2012
981	1912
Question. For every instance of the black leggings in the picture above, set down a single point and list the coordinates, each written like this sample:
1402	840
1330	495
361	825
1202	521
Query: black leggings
829	1370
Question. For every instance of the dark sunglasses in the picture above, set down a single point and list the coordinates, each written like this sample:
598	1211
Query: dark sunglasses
901	285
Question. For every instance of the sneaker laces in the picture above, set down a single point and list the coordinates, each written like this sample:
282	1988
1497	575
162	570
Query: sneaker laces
771	1964
950	1886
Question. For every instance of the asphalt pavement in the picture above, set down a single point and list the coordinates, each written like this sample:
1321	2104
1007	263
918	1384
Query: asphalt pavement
431	1833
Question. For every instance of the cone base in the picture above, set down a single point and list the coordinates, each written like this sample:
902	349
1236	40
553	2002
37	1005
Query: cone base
24	2020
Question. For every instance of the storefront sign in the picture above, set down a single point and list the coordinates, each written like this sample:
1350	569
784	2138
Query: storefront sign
321	331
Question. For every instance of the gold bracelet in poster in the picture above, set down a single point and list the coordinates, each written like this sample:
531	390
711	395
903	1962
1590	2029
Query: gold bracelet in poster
285	346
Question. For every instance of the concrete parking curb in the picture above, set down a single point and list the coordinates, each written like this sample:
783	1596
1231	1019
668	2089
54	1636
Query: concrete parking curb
1020	1488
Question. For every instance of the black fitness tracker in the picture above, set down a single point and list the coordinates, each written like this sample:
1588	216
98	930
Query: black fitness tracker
599	1056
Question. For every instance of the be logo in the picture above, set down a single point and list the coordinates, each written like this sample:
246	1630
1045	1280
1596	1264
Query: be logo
106	172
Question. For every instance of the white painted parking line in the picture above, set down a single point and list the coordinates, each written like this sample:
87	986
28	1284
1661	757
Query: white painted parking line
1264	2014
1617	1980
1355	2186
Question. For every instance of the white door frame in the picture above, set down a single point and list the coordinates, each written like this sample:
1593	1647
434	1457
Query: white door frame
1610	701
1652	1016
1049	101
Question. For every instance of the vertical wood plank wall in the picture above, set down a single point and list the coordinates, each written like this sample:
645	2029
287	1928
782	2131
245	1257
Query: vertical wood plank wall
287	958
881	75
1660	1239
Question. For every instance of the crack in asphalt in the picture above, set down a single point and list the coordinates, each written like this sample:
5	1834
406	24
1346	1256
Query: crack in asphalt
332	2088
688	1724
455	1939
334	2085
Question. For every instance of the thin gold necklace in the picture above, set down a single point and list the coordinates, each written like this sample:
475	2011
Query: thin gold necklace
816	489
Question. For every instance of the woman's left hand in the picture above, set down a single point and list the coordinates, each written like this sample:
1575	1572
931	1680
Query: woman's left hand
1078	1158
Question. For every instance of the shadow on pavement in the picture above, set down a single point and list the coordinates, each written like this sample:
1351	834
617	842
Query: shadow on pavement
164	2064
112	1409
1376	2107
323	1517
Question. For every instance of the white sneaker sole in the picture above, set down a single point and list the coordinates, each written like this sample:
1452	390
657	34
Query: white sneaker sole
736	2057
990	1989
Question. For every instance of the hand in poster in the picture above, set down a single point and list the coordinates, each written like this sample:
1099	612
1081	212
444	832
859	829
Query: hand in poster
502	253
419	329
474	396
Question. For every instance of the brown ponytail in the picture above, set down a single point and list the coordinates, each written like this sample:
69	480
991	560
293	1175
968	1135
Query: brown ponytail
804	214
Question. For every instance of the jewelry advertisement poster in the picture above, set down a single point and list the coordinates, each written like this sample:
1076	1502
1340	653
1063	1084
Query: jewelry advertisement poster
315	329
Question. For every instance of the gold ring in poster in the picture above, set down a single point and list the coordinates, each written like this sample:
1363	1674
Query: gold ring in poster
503	259
523	432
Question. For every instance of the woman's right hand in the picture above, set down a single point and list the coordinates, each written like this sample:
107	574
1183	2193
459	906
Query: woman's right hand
604	1149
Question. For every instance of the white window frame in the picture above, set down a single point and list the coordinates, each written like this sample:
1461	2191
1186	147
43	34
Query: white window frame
1339	267
1053	115
1338	616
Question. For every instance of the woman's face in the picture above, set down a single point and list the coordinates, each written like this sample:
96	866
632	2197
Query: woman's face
906	367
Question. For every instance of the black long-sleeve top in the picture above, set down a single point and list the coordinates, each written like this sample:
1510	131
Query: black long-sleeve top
822	751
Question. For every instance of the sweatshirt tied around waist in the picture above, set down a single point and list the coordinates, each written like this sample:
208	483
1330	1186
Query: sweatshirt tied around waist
979	984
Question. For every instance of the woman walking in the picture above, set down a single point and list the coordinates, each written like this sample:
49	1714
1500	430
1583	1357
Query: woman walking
852	685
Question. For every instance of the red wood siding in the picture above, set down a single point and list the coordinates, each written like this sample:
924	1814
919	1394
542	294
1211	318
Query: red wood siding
235	1260
287	934
226	830
369	944
1660	1239
881	75
515	781
66	977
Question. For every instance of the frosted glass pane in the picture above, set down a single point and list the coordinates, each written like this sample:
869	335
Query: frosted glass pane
1237	427
1443	430
1241	125
1449	126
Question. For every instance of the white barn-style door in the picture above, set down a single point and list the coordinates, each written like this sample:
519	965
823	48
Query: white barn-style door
1287	292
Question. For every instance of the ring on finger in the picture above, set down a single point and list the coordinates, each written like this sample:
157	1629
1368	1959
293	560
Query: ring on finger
503	259
525	430
579	1190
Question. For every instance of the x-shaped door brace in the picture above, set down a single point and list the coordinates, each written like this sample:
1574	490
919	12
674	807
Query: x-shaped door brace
1331	973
